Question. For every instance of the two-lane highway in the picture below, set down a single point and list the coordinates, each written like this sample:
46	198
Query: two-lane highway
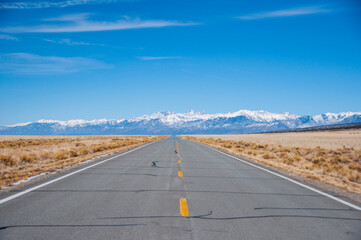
193	192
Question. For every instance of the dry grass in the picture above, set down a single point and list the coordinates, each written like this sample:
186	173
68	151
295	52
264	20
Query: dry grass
324	139
340	167
25	156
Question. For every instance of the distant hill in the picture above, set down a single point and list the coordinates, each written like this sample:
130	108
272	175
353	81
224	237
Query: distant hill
243	121
333	127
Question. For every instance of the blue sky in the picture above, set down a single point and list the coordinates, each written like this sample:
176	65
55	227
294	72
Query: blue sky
92	59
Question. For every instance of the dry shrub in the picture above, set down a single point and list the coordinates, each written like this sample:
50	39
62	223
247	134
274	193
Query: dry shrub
355	178
283	155
268	156
73	153
7	160
98	148
318	160
289	160
79	144
83	150
46	155
226	145
285	149
313	177
27	158
297	152
62	154
355	166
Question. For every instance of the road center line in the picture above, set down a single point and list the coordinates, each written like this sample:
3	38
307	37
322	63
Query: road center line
180	174
183	207
68	175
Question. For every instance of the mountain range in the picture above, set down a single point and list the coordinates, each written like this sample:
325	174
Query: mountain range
243	121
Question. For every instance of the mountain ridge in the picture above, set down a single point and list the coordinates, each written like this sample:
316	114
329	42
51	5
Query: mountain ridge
191	122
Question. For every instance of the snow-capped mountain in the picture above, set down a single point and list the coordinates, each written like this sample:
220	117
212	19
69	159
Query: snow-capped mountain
243	121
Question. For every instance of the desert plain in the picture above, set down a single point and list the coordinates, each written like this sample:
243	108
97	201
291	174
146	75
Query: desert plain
332	157
22	157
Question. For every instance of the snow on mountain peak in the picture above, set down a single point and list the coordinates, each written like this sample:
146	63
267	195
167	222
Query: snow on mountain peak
331	118
260	116
19	124
241	121
79	122
171	118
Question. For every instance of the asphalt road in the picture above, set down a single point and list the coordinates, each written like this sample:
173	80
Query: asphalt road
127	198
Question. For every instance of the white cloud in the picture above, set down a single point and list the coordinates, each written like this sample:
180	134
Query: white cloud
8	37
27	63
285	13
149	58
78	17
81	23
48	4
70	42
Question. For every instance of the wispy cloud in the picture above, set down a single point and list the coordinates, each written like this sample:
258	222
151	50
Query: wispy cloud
8	37
81	23
150	58
48	4
286	13
27	63
67	41
78	17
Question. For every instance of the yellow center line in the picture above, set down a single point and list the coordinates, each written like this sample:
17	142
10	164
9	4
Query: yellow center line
177	155
183	207
180	174
178	161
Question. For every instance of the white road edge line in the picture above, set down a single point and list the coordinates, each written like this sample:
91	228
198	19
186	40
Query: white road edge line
291	180
68	175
